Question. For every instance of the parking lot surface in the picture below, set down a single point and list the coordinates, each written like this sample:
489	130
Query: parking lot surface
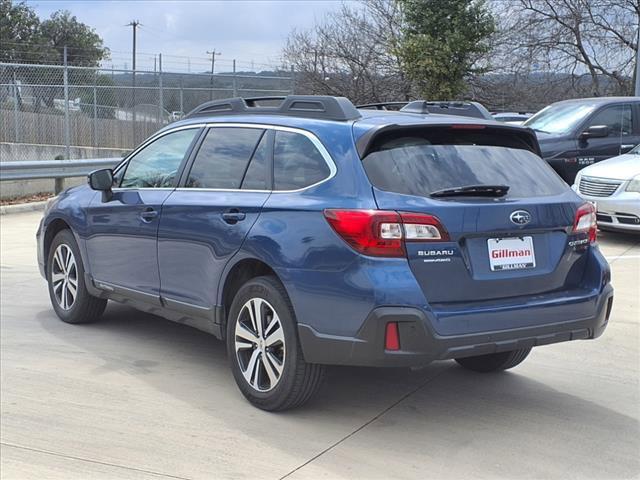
136	396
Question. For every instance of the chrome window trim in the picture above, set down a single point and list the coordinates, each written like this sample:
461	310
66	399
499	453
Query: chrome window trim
315	140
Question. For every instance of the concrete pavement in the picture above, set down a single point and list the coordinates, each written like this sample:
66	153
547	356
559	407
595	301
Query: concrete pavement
135	396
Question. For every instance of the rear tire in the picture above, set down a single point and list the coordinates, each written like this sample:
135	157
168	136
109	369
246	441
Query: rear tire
69	296
494	362
264	350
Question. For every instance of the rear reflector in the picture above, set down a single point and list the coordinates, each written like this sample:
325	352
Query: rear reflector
392	337
382	233
586	222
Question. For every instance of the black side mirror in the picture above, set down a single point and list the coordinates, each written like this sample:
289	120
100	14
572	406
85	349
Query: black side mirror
102	181
595	131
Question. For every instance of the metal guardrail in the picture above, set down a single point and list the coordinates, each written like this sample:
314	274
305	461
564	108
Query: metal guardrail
53	168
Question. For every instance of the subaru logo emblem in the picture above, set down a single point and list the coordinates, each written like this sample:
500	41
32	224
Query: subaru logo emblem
520	217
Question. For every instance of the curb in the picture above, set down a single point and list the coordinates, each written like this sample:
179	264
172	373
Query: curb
22	207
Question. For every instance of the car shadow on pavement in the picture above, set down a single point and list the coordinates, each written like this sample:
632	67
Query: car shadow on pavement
613	238
422	406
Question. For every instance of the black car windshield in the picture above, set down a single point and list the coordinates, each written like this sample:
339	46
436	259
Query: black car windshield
560	118
414	166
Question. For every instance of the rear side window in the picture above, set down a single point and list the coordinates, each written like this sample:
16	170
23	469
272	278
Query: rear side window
223	157
419	165
297	163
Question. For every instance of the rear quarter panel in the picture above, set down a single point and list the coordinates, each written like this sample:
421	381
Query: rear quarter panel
322	275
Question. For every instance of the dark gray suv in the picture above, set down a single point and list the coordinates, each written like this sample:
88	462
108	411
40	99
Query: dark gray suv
576	133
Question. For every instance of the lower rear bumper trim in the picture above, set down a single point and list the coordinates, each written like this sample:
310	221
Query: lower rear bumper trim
420	344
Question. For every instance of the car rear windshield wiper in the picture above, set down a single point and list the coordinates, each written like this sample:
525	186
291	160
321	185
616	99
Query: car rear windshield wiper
472	191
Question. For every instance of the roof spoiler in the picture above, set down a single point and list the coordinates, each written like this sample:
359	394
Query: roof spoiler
307	106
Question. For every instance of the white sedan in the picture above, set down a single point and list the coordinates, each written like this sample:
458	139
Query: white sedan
613	185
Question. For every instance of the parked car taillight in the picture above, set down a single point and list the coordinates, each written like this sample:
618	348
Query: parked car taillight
382	233
585	221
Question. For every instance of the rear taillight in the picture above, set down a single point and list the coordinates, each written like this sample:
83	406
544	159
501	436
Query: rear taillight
585	221
382	233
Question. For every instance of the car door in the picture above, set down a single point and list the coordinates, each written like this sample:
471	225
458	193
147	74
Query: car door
206	219
618	119
122	240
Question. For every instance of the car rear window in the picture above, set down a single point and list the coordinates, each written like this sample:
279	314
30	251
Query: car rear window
419	164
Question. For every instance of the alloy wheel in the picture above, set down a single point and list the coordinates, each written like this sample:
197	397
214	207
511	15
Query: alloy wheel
260	344
64	277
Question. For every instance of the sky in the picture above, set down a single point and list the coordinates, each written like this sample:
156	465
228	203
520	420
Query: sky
253	32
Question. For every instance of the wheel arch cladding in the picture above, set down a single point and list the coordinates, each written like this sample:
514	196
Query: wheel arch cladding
54	227
243	271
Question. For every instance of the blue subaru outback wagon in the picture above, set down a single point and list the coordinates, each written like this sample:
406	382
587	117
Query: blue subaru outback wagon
305	232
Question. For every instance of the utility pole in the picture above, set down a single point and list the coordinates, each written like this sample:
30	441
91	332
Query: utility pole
134	24
213	64
637	89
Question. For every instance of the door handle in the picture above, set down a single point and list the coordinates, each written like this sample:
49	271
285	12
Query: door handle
626	146
233	216
148	214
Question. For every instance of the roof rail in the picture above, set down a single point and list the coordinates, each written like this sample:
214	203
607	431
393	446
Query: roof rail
382	105
460	108
308	106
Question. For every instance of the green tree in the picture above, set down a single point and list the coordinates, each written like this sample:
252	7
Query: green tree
24	38
84	47
443	43
21	36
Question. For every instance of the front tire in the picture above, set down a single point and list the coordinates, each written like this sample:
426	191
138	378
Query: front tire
264	350
65	276
494	362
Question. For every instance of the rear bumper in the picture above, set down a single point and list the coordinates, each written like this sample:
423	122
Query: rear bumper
421	344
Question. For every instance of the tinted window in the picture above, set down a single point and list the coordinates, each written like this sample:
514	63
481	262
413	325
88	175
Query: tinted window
415	166
256	176
297	163
617	118
157	164
223	157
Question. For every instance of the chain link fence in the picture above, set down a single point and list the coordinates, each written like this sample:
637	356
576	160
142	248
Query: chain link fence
57	111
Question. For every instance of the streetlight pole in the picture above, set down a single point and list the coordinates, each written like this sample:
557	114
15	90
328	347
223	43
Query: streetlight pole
213	64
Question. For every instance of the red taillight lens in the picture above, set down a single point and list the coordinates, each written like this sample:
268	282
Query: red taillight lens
372	232
392	337
585	221
382	233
